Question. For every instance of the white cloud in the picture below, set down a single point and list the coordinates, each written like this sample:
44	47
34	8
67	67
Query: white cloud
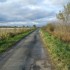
29	10
55	2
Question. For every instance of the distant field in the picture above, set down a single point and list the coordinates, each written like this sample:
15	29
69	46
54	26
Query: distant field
4	31
9	36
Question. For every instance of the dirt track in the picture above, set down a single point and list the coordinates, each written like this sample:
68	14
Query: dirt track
28	54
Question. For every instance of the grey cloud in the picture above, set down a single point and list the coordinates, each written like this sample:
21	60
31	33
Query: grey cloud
32	2
30	16
27	11
3	0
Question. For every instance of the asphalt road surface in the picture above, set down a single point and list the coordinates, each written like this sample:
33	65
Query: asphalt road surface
28	54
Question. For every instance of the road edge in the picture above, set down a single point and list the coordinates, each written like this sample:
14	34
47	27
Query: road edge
46	50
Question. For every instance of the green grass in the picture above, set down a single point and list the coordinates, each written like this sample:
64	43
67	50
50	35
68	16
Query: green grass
8	42
59	51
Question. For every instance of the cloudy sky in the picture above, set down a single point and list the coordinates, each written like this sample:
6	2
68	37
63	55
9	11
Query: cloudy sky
28	12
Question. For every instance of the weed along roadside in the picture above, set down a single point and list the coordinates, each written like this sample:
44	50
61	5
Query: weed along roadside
8	41
59	51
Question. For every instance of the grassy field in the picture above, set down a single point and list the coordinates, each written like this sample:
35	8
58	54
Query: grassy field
6	32
9	36
59	50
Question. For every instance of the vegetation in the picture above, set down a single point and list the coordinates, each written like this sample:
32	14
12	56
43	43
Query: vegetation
56	37
59	51
9	36
61	29
34	26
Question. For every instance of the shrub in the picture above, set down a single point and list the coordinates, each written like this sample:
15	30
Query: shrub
11	34
50	27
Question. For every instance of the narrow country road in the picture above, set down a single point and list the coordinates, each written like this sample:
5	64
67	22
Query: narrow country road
28	54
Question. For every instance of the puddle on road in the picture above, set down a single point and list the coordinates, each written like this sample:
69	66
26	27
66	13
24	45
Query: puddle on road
37	60
41	63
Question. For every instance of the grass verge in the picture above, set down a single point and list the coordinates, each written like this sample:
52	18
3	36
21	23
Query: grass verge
59	51
8	42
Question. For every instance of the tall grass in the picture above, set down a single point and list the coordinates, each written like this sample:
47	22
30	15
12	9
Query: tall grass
60	31
61	28
9	36
11	32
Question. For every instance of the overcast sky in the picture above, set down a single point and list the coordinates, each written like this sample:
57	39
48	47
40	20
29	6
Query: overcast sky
28	12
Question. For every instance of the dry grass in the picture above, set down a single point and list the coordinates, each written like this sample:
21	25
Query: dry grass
9	36
60	31
6	32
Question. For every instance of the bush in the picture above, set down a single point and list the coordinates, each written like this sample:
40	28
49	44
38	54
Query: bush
50	27
11	34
